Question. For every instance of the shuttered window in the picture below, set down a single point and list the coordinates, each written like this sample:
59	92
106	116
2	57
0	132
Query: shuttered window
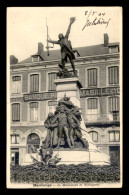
92	103
14	139
16	84
113	104
92	77
113	75
16	112
51	84
34	83
94	136
34	111
114	136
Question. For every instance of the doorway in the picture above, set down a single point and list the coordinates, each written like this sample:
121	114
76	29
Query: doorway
14	157
114	155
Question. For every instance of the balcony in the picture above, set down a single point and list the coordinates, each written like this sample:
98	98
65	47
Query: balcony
109	118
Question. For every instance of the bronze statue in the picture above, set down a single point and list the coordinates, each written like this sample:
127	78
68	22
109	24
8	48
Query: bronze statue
61	117
64	123
45	153
74	118
73	123
63	73
54	160
66	48
51	130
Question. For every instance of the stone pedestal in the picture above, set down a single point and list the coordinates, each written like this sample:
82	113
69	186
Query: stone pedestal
70	87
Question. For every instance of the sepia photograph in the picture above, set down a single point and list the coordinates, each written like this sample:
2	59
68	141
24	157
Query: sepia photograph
64	97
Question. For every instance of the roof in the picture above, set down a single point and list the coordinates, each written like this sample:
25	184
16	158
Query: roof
83	51
113	44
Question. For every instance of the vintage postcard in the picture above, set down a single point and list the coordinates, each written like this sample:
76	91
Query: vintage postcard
64	97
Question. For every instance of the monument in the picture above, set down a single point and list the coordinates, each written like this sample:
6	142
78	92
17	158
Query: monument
67	140
66	130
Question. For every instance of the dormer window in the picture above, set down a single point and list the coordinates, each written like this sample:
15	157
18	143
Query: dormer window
36	58
114	49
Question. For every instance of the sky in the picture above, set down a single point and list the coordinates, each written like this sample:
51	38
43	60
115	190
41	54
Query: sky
26	26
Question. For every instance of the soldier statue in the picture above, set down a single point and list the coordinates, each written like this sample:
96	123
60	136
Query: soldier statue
51	130
63	127
64	123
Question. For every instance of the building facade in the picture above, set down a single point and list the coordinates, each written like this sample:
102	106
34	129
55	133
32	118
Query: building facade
33	95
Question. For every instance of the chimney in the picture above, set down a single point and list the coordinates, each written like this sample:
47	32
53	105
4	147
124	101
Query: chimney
106	40
40	48
13	59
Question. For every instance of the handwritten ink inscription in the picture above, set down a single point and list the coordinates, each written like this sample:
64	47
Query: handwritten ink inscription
95	18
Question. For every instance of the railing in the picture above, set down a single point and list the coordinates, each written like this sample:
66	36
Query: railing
97	118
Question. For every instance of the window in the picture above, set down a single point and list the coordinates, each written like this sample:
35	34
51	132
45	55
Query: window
33	138
114	136
34	111
34	83
94	136
113	104
92	77
16	112
14	139
16	84
51	84
114	49
113	75
92	112
35	59
92	103
52	106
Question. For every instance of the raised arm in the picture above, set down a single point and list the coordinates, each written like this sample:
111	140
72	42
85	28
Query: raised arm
54	42
69	27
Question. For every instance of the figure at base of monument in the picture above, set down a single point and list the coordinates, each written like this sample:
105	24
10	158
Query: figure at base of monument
53	161
62	126
51	138
74	127
66	121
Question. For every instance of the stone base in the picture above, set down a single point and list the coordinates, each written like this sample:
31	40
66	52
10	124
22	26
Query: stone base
73	156
81	156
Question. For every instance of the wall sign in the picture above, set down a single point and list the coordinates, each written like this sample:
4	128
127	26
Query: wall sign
40	96
100	92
